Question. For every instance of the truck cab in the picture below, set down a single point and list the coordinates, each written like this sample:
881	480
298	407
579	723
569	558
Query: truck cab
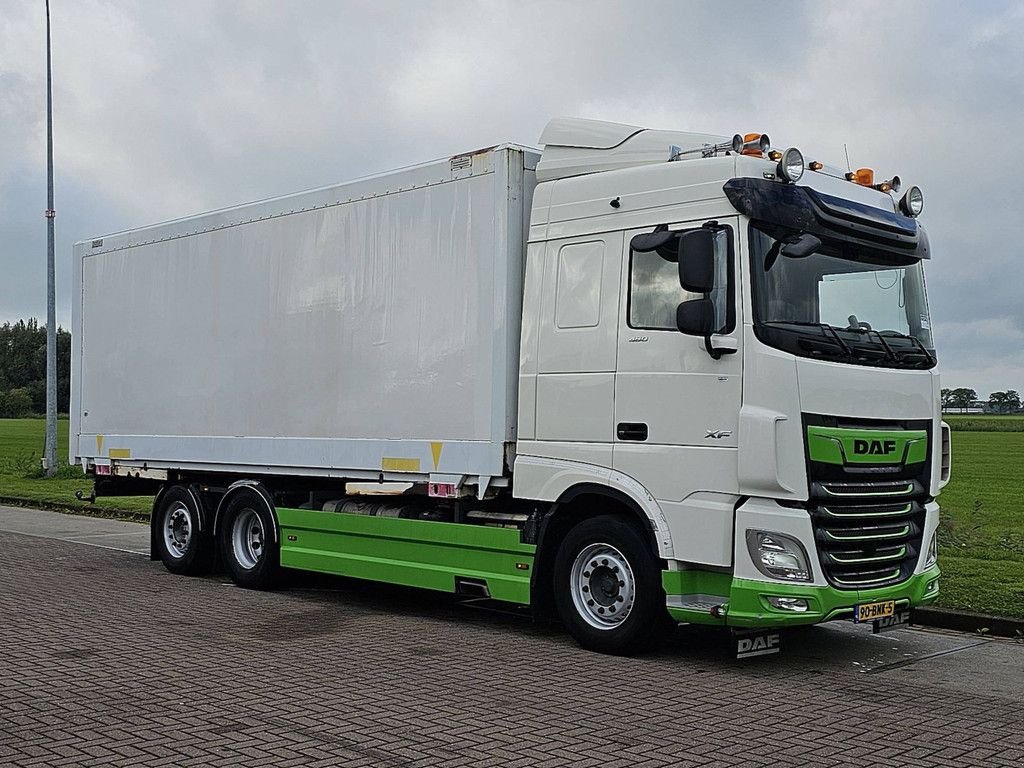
735	342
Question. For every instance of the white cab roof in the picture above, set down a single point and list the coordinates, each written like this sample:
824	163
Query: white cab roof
574	146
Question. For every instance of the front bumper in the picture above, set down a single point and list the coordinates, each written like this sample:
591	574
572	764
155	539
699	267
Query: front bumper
748	605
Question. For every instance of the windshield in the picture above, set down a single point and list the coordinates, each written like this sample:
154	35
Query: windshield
861	308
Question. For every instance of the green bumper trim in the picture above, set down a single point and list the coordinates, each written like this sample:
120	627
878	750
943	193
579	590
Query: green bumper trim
414	553
830	445
696	582
748	604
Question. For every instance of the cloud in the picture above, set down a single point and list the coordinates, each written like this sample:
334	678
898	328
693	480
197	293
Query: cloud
163	110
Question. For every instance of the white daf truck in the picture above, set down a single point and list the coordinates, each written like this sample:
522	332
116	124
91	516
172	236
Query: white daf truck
640	377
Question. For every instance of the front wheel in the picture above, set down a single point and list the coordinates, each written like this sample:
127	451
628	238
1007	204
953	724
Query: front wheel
608	588
248	541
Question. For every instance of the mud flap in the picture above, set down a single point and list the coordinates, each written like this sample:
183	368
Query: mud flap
756	642
900	619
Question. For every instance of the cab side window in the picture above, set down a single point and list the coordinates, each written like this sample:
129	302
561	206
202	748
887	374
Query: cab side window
655	292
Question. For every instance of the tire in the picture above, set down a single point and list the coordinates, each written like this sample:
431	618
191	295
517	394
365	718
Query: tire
181	542
248	541
607	587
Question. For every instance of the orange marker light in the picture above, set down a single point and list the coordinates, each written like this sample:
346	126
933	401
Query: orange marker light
864	176
814	165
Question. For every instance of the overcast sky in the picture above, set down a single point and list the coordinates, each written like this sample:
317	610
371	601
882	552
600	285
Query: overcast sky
167	109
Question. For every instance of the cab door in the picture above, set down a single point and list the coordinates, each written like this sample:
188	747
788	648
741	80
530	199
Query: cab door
676	406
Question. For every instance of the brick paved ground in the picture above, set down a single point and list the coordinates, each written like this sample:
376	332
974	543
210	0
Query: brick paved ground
106	659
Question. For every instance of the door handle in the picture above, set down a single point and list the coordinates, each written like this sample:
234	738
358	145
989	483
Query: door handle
630	430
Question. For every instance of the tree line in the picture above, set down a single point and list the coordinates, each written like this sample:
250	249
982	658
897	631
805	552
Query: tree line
23	369
963	398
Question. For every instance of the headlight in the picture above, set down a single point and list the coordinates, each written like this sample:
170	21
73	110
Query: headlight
912	203
933	552
778	556
791	167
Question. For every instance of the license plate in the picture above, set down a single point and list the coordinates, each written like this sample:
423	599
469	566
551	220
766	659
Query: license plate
872	611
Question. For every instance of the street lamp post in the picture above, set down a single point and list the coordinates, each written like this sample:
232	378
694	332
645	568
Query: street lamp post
50	448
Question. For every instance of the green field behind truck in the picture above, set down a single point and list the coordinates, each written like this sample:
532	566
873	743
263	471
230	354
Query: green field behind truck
21	476
981	536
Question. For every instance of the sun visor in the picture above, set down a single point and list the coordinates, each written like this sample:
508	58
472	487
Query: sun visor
854	225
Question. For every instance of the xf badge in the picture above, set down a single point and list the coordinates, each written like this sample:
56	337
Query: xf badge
717	434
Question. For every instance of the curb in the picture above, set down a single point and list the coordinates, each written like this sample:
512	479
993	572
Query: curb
968	621
72	509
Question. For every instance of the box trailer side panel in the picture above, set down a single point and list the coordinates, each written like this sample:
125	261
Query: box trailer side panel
368	327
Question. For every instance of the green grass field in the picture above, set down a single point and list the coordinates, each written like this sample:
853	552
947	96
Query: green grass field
981	535
21	445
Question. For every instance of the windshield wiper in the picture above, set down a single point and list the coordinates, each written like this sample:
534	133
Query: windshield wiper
915	341
829	329
888	350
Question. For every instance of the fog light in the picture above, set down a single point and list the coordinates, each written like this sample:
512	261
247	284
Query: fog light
794	604
933	586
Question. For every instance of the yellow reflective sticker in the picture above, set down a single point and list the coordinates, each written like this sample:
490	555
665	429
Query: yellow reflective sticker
99	445
120	453
435	449
400	465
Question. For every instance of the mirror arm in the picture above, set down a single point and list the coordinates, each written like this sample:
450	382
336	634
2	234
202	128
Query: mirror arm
716	352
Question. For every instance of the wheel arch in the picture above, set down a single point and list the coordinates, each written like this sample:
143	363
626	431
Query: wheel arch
577	503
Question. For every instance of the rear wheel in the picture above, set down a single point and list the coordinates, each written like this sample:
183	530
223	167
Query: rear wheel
248	541
608	588
184	547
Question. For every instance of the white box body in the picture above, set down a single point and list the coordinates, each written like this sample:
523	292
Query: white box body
370	326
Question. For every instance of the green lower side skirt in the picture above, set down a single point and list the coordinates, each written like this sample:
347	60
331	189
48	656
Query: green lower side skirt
414	553
434	555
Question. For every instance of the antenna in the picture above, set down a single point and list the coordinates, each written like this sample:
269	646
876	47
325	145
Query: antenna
847	151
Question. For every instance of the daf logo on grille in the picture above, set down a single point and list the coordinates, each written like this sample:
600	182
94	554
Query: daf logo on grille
873	447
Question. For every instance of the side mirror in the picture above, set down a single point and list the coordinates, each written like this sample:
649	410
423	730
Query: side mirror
697	261
696	317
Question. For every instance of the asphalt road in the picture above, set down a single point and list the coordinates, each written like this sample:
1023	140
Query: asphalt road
107	659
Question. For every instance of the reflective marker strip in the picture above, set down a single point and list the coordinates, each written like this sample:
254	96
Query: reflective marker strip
400	465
